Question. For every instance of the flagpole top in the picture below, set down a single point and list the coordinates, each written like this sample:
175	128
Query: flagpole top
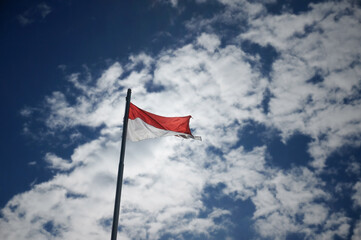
129	92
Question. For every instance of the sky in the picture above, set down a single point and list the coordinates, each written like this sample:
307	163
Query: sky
273	87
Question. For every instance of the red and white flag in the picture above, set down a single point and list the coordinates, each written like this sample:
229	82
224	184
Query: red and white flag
143	125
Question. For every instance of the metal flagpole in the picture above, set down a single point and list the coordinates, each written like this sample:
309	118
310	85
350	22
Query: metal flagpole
121	169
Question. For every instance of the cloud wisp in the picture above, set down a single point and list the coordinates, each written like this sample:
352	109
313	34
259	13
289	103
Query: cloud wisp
38	12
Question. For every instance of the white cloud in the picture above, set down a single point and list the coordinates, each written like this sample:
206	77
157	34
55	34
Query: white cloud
357	231
109	78
56	162
26	112
33	14
357	195
44	9
209	41
23	20
314	42
289	203
240	171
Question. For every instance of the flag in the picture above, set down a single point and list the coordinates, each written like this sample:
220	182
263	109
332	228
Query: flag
143	125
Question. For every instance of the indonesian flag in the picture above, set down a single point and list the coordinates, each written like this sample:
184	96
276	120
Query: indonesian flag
143	125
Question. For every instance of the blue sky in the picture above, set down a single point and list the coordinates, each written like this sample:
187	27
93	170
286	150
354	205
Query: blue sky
273	88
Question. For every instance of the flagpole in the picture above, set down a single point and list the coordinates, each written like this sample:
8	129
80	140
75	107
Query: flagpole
121	169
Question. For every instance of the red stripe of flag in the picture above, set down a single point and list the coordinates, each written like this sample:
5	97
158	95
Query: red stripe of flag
175	124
